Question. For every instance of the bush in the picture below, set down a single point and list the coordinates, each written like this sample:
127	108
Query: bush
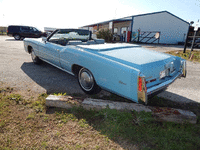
105	34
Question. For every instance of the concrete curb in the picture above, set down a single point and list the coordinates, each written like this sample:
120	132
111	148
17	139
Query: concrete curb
89	103
66	102
159	113
173	115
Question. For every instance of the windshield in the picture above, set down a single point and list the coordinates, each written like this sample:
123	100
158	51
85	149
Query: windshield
62	36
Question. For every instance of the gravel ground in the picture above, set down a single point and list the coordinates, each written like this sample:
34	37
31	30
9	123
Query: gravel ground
18	71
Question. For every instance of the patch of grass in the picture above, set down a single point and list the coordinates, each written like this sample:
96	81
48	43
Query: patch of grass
65	117
140	128
196	55
39	104
78	128
30	116
44	144
59	94
83	123
15	97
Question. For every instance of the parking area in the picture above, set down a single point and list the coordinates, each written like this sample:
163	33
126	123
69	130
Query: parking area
18	71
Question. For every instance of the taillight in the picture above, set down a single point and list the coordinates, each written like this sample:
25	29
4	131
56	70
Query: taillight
140	84
142	89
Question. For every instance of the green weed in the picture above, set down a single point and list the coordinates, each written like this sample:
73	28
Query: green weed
82	123
44	144
15	97
30	116
59	94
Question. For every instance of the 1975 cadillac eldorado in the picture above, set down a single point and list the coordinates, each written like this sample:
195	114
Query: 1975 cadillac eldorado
124	69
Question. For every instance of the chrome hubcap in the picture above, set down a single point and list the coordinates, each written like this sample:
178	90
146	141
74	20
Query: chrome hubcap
86	79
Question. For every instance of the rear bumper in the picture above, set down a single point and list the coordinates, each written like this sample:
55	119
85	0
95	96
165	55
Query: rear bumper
163	85
145	93
9	34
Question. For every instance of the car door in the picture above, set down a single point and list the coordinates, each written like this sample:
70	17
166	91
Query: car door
36	33
67	57
25	31
50	52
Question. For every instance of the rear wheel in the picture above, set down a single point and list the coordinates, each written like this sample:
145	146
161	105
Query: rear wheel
35	59
87	82
17	37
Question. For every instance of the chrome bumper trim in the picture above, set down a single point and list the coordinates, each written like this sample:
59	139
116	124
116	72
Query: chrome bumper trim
162	85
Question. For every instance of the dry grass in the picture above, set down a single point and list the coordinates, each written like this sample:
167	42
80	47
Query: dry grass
26	125
195	55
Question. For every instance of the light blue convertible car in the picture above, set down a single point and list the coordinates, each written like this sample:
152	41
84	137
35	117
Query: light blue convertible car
124	69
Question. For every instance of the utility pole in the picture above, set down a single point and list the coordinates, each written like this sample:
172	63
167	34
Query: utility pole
195	29
186	40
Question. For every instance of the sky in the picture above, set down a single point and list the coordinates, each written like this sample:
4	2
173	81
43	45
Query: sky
77	13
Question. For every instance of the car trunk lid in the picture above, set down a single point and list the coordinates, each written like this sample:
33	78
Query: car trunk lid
155	66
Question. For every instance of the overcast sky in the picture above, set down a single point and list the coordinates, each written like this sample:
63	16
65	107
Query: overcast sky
77	13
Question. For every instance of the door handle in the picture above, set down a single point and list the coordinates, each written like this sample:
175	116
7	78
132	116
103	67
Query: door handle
58	50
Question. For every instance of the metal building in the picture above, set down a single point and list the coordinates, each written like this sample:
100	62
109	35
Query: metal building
158	27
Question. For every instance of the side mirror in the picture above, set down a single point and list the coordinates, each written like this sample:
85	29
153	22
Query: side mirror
44	39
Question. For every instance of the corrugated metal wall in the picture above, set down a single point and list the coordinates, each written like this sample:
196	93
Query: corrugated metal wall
173	30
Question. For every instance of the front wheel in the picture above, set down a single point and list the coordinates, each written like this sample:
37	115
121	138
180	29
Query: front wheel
87	82
35	59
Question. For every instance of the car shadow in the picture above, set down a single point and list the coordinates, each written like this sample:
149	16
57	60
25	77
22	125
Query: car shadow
175	97
169	99
51	78
12	40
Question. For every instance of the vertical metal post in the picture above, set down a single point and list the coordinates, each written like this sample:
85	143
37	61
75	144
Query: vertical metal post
195	29
138	35
159	38
186	40
131	29
193	40
113	27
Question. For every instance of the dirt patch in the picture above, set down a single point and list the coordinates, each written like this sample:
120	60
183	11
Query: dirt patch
165	111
